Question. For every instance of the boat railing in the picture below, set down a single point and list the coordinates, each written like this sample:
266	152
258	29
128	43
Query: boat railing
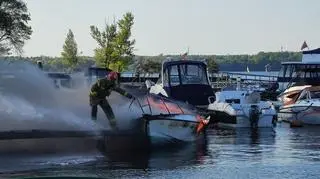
244	76
225	79
140	77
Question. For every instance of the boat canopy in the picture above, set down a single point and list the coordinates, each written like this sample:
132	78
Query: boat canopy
184	72
187	81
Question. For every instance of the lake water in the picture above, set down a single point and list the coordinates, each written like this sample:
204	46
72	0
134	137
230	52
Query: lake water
280	153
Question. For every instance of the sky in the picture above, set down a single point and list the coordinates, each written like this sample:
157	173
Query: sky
173	26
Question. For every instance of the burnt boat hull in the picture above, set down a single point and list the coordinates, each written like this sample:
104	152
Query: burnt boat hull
171	129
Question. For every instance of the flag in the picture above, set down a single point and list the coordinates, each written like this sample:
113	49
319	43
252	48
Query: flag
304	45
184	56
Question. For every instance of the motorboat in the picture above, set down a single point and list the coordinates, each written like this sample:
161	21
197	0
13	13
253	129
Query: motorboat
186	81
303	108
242	107
165	121
298	75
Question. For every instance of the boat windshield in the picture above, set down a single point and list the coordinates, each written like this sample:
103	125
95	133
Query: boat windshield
307	95
314	94
193	74
187	74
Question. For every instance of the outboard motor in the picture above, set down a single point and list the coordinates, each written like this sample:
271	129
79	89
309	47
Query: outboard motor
254	114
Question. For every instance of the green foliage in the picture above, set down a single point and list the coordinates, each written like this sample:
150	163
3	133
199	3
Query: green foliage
105	53
152	64
147	65
213	67
115	47
70	51
232	62
14	29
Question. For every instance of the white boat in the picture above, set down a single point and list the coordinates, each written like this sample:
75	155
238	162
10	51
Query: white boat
242	108
165	121
304	108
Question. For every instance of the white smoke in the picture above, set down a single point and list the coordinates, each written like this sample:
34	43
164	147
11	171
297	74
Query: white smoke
28	100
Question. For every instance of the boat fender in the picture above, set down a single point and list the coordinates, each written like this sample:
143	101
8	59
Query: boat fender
254	115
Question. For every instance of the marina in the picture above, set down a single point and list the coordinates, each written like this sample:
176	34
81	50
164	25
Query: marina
159	89
169	130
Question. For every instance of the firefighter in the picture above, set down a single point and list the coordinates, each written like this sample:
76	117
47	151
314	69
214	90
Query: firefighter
99	91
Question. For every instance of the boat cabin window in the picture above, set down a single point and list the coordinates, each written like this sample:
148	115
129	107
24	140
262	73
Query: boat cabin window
300	71
288	72
282	71
174	75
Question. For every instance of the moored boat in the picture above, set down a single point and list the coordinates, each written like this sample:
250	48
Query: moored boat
242	108
303	109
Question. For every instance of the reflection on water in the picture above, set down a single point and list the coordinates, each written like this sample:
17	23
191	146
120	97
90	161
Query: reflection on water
169	157
282	152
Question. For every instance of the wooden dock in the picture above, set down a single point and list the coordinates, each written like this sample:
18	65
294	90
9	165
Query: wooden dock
53	141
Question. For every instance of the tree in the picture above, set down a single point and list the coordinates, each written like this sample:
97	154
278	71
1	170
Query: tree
14	29
70	51
212	65
115	47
